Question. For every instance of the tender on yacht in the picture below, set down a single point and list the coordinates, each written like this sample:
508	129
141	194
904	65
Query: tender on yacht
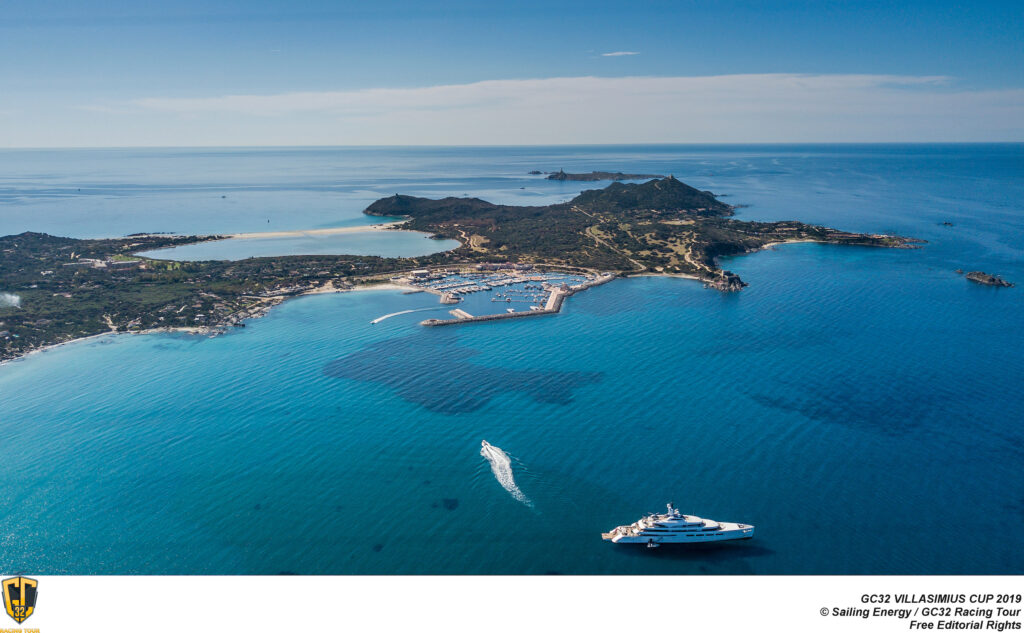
673	527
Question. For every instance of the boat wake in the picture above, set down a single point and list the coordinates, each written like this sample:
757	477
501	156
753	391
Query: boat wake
388	316
501	466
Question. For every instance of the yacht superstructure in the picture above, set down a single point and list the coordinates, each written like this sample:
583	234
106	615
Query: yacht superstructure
674	527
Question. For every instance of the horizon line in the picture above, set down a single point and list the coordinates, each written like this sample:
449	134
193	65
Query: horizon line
522	145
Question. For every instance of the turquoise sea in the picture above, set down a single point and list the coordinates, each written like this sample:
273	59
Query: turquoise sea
862	407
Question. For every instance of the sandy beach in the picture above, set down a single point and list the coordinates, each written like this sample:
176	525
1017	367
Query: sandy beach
314	232
388	286
771	244
677	275
330	287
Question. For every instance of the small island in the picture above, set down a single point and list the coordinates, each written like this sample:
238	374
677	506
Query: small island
595	176
986	279
58	289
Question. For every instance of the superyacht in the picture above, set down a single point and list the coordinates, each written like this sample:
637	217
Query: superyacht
673	527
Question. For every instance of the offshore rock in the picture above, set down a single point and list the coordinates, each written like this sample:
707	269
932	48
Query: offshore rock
727	282
599	175
986	279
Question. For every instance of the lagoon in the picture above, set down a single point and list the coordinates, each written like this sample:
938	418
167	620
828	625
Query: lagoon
390	243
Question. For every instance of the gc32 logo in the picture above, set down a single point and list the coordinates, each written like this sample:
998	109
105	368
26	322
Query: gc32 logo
20	597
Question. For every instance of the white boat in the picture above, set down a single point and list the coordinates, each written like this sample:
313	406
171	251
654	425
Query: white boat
672	527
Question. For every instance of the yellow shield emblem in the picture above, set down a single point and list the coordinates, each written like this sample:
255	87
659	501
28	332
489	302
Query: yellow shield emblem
20	597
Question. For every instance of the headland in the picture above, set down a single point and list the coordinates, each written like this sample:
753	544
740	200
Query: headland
660	226
58	289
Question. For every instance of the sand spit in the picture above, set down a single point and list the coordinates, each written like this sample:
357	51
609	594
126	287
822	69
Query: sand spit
316	232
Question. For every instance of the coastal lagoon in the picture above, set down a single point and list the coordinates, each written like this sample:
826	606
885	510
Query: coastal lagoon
857	405
390	243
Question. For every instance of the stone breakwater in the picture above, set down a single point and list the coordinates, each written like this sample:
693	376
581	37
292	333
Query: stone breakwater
553	305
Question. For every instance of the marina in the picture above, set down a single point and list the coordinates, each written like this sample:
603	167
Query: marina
499	291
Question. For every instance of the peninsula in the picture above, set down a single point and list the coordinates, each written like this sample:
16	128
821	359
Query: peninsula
57	289
661	226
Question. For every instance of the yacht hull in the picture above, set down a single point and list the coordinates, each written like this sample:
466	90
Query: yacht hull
715	537
677	529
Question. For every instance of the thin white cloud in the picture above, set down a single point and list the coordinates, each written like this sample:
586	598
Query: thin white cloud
799	93
724	108
102	108
619	54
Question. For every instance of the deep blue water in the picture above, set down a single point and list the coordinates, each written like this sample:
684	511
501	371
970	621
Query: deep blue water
862	407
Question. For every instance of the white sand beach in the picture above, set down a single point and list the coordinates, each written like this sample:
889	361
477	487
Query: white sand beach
315	232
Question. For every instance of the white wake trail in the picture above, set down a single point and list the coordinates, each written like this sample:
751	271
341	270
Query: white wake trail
501	466
388	316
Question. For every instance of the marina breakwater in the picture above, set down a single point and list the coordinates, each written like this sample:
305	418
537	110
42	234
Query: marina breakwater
552	306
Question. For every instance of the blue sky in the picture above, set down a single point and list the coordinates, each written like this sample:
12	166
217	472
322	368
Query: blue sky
148	73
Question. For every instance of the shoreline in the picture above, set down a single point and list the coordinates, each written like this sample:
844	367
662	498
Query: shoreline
279	235
771	244
675	275
185	329
329	288
384	286
210	330
45	348
763	247
385	226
